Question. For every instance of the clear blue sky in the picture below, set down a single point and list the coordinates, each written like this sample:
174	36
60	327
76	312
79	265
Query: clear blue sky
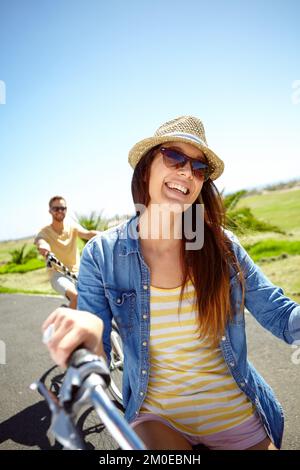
87	79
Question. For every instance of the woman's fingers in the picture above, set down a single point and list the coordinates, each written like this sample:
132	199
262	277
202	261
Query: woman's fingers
56	317
61	351
66	329
50	319
60	329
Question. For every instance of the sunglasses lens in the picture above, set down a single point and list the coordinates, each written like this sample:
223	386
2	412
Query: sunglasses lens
200	169
58	208
201	174
174	159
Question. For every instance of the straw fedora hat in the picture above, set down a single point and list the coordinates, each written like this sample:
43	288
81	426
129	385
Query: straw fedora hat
187	129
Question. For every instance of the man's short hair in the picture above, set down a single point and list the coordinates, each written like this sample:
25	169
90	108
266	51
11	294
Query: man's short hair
53	199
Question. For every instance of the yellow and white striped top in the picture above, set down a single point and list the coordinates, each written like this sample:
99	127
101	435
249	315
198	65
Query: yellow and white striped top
190	384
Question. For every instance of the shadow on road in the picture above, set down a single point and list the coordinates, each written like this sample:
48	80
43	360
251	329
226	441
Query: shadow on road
29	427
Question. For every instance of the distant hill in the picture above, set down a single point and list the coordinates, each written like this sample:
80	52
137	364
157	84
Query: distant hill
284	185
280	207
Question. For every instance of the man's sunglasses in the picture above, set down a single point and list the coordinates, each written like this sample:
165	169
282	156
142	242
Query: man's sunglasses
58	208
175	159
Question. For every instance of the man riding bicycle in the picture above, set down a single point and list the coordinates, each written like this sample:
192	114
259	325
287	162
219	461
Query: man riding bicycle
61	238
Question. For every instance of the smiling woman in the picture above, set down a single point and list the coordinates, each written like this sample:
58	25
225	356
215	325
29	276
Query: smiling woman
180	307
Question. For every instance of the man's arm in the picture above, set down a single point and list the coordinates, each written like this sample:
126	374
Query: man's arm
86	234
42	246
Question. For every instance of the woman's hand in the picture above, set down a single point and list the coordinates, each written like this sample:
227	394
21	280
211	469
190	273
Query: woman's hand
73	328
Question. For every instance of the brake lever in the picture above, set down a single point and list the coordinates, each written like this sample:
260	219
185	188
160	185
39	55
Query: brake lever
81	365
62	425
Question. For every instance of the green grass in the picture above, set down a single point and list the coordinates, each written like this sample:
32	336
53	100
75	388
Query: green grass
286	274
31	281
10	290
272	248
281	208
31	265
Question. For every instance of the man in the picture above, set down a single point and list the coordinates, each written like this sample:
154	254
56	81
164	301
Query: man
61	239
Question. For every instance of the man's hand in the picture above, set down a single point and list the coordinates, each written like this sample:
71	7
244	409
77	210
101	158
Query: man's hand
43	251
43	247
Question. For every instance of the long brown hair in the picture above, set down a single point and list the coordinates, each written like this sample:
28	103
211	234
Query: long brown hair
209	267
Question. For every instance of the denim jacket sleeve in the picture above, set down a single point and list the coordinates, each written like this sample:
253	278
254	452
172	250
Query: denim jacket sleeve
91	296
267	302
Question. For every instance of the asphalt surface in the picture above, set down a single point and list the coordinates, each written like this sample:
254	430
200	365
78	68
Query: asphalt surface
24	416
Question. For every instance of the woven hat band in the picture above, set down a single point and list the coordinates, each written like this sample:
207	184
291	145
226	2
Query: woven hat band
184	135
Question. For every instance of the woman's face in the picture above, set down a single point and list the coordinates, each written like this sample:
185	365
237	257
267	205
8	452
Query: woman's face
162	179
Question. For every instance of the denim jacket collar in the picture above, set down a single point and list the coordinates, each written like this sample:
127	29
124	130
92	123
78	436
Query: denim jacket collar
129	237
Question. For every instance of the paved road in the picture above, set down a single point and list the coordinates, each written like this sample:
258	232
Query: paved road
24	417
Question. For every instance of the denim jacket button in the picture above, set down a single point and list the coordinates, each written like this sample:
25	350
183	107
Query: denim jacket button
145	287
145	343
242	384
142	394
118	301
144	372
145	317
231	364
223	338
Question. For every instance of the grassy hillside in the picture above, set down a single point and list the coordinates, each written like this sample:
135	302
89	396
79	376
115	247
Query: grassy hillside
280	208
286	274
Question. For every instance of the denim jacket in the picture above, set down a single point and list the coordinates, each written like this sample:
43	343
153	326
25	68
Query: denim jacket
114	282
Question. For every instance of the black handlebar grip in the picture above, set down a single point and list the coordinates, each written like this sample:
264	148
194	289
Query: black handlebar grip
80	356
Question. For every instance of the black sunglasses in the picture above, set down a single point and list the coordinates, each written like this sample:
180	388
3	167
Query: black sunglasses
175	159
58	208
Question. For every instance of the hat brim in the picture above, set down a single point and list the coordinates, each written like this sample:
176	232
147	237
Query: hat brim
142	147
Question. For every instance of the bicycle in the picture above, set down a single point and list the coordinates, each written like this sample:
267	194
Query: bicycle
117	356
85	381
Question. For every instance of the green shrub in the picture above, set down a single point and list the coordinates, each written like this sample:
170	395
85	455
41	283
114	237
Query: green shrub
19	255
94	221
231	200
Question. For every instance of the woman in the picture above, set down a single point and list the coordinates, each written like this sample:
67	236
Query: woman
176	284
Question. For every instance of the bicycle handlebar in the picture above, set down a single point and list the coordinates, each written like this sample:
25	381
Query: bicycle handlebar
51	259
86	378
